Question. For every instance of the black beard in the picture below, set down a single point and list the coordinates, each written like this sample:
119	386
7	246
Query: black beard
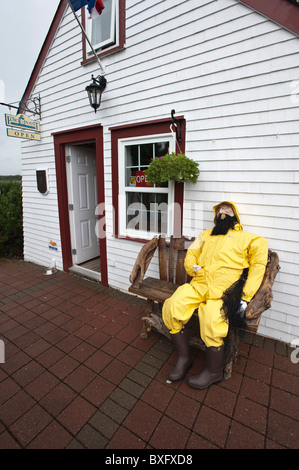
223	225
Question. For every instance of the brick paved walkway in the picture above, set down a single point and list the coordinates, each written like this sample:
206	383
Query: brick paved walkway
77	375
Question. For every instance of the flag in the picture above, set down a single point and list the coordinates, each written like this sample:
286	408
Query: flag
95	7
77	4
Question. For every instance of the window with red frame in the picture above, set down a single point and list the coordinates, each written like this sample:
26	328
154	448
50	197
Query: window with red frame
106	32
142	210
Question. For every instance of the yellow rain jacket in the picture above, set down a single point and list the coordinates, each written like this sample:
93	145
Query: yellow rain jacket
222	259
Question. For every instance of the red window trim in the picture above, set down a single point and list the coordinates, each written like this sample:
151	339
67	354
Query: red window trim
142	129
122	35
61	139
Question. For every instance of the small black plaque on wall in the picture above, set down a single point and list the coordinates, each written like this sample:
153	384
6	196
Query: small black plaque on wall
42	181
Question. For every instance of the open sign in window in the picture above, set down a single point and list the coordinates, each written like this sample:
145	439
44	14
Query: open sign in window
141	180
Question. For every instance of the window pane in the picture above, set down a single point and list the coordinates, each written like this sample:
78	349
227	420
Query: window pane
134	211
131	176
161	149
133	198
138	158
132	165
101	25
146	154
131	155
147	212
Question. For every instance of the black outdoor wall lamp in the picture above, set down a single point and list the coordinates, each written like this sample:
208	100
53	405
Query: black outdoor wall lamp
95	90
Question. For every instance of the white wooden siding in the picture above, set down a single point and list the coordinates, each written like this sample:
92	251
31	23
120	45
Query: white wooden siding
229	71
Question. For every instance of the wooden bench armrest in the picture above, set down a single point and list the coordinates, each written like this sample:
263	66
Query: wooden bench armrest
262	299
142	262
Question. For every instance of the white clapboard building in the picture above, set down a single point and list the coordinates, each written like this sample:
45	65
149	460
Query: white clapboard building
230	71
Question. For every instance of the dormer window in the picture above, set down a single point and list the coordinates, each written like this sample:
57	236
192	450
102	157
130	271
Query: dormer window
102	28
106	31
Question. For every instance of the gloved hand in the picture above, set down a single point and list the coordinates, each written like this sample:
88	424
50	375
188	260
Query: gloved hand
196	267
242	308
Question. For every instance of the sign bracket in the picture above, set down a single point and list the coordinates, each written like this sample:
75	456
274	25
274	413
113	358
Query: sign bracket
35	101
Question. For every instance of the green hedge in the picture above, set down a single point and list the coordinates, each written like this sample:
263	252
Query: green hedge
11	220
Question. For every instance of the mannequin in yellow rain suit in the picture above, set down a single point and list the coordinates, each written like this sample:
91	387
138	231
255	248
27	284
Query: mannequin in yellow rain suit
215	260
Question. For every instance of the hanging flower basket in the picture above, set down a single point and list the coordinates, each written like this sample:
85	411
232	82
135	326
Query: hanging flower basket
172	168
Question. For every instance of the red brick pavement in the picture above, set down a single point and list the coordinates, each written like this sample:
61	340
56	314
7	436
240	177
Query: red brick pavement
77	375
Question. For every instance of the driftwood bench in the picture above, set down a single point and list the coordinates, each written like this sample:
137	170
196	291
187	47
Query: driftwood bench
172	274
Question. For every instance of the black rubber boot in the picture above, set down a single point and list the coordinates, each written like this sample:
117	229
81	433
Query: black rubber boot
213	372
184	362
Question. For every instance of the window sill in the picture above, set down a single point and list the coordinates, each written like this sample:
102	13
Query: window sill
106	52
133	239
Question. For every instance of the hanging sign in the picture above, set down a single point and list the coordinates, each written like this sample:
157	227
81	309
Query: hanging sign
141	180
22	134
26	128
22	121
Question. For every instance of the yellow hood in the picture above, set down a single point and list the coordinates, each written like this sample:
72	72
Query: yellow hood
236	212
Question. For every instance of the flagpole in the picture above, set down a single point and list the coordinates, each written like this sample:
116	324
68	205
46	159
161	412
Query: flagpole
87	39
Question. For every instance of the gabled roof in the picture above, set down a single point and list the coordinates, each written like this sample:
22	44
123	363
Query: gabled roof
44	51
283	12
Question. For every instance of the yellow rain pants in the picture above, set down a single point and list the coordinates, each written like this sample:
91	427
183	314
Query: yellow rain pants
222	259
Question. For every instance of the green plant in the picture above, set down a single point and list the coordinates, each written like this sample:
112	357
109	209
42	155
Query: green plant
172	167
11	226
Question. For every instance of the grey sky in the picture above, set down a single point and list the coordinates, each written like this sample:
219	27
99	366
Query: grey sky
23	29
